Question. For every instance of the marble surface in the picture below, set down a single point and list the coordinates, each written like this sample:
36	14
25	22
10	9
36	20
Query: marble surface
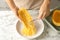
8	29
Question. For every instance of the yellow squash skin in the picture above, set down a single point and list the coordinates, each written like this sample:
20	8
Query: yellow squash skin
29	28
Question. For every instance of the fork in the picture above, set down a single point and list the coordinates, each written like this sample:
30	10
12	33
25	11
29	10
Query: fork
33	20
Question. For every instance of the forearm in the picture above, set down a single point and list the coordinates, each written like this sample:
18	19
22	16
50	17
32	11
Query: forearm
11	4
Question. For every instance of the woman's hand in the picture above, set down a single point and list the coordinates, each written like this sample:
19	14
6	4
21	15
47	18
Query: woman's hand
13	7
44	10
15	10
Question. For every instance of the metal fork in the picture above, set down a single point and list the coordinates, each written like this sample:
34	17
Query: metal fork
33	20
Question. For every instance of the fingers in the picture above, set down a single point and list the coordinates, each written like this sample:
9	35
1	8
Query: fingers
40	14
43	15
47	13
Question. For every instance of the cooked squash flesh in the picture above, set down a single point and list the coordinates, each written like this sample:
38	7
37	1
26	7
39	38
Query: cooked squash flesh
29	28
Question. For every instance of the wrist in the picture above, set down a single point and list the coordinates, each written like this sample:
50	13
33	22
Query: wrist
47	2
15	9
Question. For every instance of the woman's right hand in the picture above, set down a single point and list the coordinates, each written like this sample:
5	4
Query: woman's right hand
15	10
13	7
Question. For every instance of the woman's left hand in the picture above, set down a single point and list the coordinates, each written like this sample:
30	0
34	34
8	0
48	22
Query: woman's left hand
44	11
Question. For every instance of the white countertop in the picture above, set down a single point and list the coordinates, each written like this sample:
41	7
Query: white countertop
8	29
